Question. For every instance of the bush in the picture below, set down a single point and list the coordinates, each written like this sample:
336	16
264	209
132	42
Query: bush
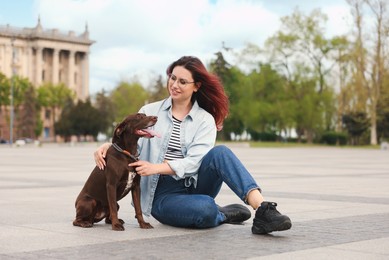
333	138
264	136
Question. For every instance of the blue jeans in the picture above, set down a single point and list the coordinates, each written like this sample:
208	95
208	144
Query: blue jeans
180	206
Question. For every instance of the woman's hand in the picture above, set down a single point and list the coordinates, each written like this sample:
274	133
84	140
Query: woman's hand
144	168
100	154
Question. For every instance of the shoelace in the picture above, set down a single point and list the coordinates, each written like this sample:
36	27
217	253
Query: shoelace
271	208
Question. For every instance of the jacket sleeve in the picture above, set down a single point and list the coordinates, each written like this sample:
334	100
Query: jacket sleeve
202	136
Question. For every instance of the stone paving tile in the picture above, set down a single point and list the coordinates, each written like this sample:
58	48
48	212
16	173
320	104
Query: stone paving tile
229	243
338	200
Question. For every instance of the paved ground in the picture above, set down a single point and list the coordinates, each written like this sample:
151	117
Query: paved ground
337	198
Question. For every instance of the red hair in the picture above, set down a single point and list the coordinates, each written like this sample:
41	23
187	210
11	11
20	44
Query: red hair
211	95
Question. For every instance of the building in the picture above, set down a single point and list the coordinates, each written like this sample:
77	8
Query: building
45	56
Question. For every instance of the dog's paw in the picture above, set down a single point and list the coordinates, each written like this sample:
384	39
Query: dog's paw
118	227
145	225
83	224
108	221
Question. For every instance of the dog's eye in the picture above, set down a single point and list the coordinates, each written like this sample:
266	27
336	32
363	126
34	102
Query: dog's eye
140	116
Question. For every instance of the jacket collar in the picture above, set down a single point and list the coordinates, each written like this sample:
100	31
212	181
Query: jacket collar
168	106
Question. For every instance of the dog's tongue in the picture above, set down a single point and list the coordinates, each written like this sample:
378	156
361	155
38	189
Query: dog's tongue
152	132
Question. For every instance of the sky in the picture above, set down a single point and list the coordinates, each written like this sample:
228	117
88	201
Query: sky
138	39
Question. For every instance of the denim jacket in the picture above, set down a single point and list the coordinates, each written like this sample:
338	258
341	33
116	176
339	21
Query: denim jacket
198	135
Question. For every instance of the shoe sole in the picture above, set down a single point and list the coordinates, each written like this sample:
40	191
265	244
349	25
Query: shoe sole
266	228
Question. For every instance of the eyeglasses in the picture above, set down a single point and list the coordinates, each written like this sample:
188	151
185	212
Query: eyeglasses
180	82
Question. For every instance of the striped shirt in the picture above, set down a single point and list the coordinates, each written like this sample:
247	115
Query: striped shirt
174	147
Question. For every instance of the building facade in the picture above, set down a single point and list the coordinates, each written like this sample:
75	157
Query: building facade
45	56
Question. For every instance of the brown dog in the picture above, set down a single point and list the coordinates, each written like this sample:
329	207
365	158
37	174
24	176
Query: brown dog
98	198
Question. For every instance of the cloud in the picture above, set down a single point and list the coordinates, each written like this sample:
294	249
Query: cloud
339	19
144	37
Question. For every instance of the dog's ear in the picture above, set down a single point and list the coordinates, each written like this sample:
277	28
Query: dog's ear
120	128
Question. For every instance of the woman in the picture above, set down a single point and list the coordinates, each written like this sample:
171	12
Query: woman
182	172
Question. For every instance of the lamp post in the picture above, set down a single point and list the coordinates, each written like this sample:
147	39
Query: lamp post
11	124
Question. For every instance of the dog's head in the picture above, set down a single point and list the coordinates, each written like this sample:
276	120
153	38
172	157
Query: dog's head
135	126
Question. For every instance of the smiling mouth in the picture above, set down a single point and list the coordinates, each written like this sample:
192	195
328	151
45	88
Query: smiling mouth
174	90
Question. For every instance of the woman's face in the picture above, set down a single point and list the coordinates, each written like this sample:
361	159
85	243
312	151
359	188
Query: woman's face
181	84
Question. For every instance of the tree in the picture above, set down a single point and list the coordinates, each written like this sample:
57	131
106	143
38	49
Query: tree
308	104
64	126
301	52
5	91
105	107
305	35
222	69
23	90
29	116
85	119
128	98
53	97
234	86
369	58
266	93
80	120
158	90
342	56
383	113
356	124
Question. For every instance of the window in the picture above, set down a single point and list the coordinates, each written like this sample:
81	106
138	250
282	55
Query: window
47	114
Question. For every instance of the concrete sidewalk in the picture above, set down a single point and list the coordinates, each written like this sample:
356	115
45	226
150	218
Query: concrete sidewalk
337	198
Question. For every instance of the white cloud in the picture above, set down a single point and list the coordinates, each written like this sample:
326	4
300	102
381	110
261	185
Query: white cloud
339	19
144	37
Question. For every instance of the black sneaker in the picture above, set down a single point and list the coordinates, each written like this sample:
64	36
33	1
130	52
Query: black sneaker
268	219
235	213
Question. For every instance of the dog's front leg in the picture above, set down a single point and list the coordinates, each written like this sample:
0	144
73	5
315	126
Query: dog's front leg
135	192
113	210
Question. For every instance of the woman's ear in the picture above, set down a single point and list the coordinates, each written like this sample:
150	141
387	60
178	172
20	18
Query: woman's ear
198	85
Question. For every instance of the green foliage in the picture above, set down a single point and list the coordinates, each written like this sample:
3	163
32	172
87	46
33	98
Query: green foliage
158	91
86	119
81	119
264	136
334	138
105	106
20	87
5	90
356	123
128	99
383	126
54	96
29	115
231	78
64	126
